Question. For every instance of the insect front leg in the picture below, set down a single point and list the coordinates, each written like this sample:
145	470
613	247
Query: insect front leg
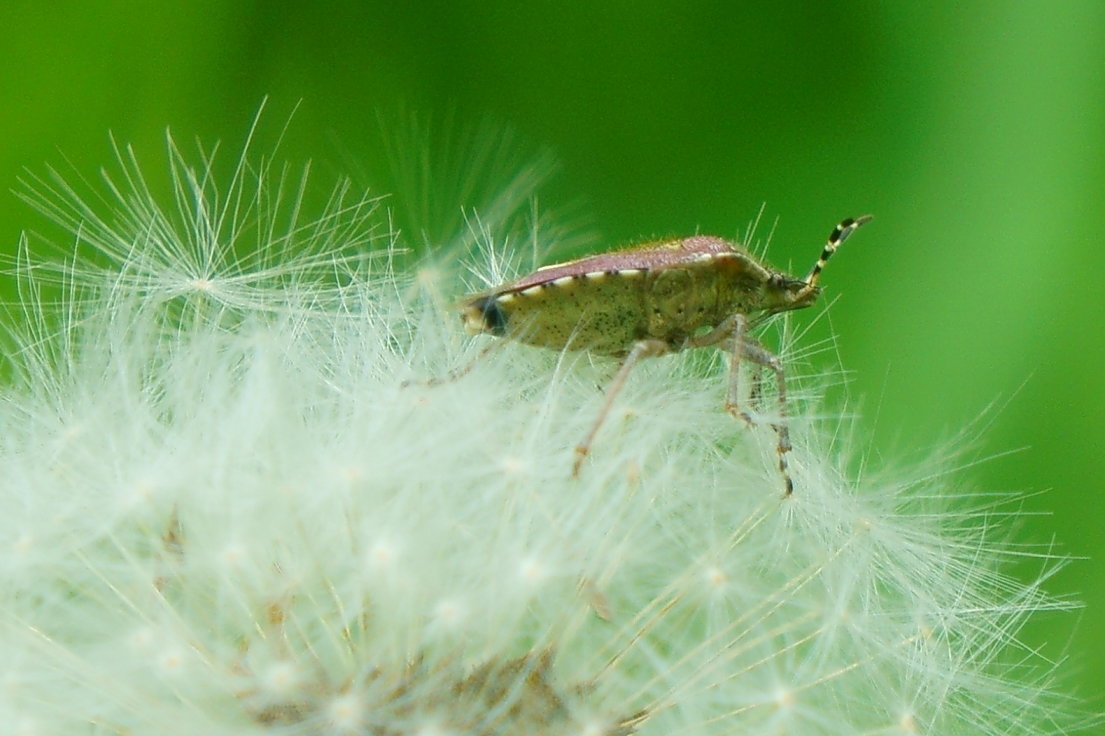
734	331
640	349
756	393
756	353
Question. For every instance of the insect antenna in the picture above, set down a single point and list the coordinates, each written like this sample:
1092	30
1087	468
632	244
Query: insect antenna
837	237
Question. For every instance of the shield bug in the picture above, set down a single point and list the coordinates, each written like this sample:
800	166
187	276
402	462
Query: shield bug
652	299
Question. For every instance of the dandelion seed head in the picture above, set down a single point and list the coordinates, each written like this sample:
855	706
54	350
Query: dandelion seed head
225	512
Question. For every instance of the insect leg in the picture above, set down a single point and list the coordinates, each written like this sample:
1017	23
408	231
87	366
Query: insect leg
756	393
732	395
761	356
641	349
456	373
742	348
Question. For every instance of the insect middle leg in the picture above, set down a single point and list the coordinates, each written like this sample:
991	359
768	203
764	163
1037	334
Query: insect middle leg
641	349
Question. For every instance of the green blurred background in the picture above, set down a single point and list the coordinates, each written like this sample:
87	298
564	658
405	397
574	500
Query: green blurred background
975	133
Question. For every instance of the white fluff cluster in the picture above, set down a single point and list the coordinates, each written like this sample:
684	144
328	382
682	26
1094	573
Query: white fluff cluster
222	513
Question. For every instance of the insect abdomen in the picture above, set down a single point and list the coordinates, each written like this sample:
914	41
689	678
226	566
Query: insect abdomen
599	312
483	314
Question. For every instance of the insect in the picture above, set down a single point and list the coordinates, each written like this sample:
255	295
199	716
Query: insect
653	299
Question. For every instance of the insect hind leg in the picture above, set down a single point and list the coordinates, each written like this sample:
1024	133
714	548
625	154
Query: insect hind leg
456	373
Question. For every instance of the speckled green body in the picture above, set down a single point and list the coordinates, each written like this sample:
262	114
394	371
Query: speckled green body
667	291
